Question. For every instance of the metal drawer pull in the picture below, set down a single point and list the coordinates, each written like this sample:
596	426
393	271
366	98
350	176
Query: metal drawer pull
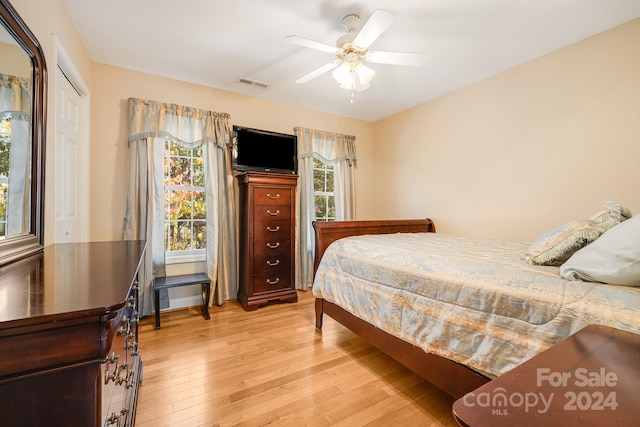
116	419
277	245
273	230
277	196
273	213
111	376
113	419
274	282
273	264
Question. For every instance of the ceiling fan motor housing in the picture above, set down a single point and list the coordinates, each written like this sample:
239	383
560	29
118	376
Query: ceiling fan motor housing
351	23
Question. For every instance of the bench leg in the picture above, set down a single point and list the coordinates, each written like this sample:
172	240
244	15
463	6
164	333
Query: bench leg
157	301
206	295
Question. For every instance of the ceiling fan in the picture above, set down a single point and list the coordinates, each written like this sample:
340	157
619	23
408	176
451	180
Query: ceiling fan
353	48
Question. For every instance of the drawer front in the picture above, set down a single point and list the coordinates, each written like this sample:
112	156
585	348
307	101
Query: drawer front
271	282
121	372
272	247
272	230
272	264
272	212
274	195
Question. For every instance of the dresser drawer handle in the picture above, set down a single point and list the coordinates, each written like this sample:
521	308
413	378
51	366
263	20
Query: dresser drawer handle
273	264
274	282
277	196
273	230
277	245
273	213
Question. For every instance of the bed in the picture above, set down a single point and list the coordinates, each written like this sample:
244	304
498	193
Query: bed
474	310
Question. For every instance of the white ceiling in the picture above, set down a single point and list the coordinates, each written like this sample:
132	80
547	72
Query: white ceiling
216	42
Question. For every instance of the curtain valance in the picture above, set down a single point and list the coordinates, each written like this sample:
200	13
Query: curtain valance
186	126
328	147
16	93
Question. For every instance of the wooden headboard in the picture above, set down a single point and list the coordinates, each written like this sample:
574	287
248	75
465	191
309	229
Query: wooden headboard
328	232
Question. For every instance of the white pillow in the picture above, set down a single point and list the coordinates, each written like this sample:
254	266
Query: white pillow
614	258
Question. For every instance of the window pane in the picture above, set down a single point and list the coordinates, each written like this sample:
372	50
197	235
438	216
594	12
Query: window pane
331	214
179	237
329	182
199	205
200	234
321	210
180	204
4	157
198	172
318	180
3	208
179	172
177	150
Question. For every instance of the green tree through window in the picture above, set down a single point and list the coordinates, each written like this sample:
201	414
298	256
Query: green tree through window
323	186
185	207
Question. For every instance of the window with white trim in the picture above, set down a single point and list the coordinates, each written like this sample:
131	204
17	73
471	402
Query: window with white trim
323	186
185	206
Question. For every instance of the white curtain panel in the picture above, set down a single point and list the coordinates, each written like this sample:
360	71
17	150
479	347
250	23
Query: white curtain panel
151	124
332	148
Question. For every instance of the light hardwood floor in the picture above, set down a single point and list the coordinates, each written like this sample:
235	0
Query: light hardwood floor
273	367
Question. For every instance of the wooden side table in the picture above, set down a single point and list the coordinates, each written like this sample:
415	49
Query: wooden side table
183	280
591	378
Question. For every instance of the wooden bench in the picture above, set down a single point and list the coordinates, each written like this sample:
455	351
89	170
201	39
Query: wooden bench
183	280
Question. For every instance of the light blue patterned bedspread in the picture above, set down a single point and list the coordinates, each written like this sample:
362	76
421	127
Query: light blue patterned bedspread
474	301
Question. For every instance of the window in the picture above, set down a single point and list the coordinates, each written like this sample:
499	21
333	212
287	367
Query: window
185	207
324	191
5	138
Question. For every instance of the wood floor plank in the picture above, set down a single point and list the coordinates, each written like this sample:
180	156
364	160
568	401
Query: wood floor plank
273	367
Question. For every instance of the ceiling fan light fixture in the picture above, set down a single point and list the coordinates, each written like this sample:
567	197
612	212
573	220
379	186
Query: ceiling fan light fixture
364	73
353	75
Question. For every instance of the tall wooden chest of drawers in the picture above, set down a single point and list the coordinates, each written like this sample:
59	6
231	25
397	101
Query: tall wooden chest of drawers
267	238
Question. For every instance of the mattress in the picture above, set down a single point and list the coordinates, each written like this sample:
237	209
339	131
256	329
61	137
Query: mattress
475	301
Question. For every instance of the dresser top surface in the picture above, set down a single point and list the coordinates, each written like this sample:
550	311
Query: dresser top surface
68	279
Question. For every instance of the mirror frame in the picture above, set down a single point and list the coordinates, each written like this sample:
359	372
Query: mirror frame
16	247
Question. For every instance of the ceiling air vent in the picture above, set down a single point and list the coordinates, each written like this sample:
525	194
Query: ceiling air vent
255	83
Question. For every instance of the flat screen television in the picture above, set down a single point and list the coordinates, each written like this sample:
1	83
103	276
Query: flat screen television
264	151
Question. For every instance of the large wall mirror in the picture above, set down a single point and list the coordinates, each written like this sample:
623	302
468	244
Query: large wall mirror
22	134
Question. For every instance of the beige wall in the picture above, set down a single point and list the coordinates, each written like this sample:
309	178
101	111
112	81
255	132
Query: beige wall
112	87
15	61
524	151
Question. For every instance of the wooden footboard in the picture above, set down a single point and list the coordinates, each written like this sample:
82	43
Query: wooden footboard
453	378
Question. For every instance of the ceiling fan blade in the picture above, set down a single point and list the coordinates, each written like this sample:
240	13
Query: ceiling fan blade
301	41
319	71
396	58
379	21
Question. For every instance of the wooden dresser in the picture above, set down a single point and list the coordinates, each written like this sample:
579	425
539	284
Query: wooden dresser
267	238
68	336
